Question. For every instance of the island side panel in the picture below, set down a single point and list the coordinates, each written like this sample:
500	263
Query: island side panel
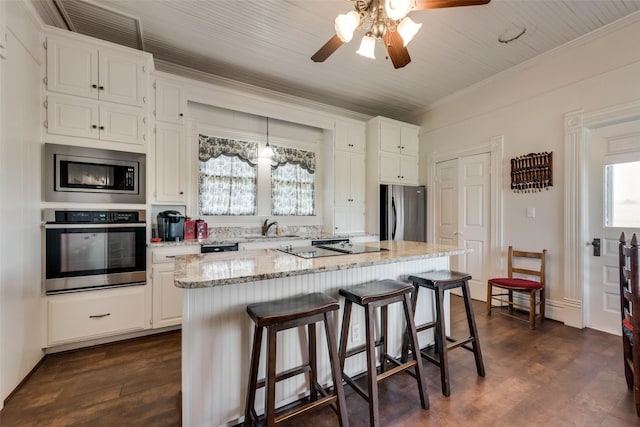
217	335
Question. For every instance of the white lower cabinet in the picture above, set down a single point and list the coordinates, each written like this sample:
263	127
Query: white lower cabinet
167	298
94	314
348	219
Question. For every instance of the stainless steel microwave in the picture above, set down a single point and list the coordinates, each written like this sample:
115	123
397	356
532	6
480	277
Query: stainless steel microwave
81	174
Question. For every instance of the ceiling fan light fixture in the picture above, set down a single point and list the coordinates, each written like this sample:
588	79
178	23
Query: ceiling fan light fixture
397	9
367	47
408	29
346	24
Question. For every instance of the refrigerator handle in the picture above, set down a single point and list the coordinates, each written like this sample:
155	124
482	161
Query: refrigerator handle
395	218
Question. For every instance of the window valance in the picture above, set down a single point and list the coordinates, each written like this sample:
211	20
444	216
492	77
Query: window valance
212	147
284	155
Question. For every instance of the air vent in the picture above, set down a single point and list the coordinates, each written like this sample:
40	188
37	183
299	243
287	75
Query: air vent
100	22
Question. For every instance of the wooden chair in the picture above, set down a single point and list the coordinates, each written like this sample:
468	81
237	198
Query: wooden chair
630	311
515	282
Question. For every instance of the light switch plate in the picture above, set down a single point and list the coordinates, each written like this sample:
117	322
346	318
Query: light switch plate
531	212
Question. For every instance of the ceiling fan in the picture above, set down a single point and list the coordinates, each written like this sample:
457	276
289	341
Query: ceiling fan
385	20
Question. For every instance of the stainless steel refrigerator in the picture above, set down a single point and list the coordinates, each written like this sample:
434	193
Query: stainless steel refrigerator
403	213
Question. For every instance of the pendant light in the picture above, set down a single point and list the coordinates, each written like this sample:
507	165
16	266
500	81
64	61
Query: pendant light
268	151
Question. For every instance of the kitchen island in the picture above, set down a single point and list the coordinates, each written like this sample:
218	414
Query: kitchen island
217	332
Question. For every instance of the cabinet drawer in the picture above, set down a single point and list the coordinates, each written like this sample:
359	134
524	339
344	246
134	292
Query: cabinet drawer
165	255
74	317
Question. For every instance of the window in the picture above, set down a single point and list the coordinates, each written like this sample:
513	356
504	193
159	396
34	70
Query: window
228	176
292	182
622	194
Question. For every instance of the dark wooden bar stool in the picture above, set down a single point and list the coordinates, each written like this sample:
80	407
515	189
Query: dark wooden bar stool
440	281
286	314
371	296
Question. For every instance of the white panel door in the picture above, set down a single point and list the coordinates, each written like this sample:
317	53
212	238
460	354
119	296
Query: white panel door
462	215
169	103
611	145
474	220
170	164
447	205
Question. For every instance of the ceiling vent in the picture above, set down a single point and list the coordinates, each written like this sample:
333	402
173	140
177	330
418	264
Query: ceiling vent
100	22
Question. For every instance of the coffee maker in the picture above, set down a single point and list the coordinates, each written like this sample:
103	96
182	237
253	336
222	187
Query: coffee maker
171	226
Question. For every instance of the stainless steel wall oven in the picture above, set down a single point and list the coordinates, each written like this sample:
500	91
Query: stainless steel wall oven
87	250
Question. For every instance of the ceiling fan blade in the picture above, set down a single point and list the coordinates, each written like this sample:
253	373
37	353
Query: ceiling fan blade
439	4
398	53
329	47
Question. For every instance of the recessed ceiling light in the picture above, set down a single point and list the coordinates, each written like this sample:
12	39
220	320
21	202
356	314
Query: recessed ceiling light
512	34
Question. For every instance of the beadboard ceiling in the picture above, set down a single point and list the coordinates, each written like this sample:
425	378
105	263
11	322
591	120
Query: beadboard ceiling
268	43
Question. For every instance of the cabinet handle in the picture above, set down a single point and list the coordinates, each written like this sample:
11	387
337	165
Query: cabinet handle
99	316
170	256
94	126
94	86
181	114
101	127
182	192
101	88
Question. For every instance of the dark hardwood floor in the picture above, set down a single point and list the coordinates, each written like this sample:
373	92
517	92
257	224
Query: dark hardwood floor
553	376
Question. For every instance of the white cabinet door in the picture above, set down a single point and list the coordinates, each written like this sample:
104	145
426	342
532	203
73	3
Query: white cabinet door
348	219
350	136
390	168
72	68
169	103
81	69
390	137
121	124
409	140
170	164
73	116
349	178
409	170
84	315
167	298
120	78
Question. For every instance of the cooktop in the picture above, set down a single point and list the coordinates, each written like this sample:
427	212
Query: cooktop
329	250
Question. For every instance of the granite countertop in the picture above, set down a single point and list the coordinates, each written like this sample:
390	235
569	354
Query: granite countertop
226	268
252	238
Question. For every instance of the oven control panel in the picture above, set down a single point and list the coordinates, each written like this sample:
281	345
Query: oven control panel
63	216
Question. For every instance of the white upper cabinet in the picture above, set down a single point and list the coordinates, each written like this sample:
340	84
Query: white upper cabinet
170	102
350	136
392	151
396	137
82	69
170	164
349	179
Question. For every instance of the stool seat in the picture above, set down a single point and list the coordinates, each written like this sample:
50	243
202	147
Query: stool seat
278	315
439	281
440	278
370	296
376	291
278	311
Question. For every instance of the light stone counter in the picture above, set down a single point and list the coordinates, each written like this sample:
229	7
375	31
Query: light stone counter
217	332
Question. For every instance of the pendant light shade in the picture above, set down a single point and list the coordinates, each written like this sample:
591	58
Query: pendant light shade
407	29
268	151
346	24
397	9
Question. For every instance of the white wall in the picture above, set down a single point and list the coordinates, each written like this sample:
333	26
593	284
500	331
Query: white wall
20	190
527	105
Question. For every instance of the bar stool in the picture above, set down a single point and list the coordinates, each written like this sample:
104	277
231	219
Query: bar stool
440	281
371	296
286	314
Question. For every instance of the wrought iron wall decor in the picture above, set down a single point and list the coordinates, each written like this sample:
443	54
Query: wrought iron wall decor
532	172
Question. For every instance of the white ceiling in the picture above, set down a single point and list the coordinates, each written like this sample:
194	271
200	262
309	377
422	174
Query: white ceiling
268	43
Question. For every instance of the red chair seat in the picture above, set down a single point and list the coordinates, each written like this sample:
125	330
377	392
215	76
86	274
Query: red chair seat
516	283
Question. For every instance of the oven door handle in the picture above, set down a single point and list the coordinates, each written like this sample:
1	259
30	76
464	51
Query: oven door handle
124	225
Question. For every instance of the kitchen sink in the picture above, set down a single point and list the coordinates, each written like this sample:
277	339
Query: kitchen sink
271	236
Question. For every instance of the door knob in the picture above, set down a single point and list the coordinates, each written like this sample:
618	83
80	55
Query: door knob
596	246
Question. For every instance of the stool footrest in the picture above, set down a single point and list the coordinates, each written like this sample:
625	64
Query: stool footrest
425	326
355	386
362	348
305	408
289	373
399	368
459	343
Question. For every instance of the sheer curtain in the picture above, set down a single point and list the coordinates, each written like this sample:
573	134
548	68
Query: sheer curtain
228	176
292	182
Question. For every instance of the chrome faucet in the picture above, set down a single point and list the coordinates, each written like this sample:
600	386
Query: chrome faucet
266	226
